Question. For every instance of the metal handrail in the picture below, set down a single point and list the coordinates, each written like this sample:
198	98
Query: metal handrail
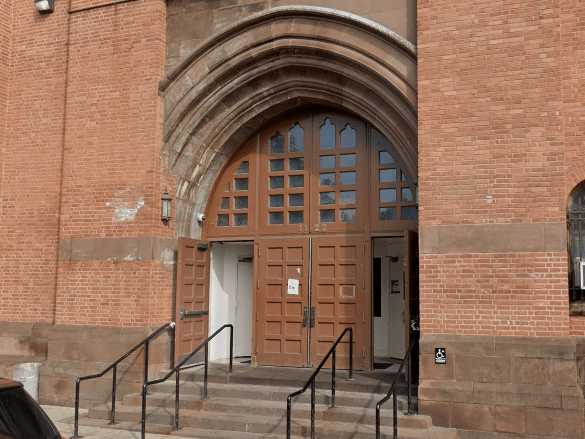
311	382
392	392
114	367
177	369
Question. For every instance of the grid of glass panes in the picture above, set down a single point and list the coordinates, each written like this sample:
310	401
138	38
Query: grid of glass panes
396	197
234	204
338	173
287	179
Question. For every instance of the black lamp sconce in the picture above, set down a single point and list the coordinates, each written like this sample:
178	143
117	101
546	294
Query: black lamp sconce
165	214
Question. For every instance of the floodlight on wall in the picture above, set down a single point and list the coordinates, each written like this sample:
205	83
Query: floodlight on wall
45	6
165	214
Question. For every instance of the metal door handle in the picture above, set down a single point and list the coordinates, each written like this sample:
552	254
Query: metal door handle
306	317
183	314
313	313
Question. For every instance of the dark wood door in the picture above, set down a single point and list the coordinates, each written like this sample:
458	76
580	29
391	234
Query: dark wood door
281	303
341	297
192	302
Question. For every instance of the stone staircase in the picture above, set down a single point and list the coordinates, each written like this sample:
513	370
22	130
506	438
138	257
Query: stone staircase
251	404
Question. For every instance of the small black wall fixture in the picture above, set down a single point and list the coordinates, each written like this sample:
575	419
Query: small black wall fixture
165	214
45	6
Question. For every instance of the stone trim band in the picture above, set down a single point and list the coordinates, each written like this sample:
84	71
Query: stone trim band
137	249
493	238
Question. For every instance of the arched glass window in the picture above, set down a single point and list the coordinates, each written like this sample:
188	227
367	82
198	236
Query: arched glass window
313	174
348	137
576	224
296	138
327	135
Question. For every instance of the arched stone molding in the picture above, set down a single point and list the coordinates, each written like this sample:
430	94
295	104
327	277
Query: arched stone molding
273	62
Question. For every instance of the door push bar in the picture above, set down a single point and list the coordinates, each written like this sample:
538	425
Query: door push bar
191	314
309	317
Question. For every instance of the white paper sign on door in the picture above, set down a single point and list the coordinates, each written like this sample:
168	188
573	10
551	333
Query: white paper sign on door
293	287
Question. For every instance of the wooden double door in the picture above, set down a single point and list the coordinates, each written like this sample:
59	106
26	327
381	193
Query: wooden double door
308	290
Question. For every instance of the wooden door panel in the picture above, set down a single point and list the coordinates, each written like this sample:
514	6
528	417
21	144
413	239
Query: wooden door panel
192	295
340	284
281	336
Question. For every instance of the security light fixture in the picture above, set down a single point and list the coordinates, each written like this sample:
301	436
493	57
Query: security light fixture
166	208
45	6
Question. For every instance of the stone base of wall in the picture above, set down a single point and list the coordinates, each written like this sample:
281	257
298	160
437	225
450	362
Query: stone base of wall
85	350
504	387
21	343
67	352
467	434
23	339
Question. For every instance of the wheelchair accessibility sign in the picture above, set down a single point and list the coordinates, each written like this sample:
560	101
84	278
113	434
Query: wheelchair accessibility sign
440	356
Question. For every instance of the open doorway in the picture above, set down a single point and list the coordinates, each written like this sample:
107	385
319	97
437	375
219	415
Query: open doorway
389	300
230	297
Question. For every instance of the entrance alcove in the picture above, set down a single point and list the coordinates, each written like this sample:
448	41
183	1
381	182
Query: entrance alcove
261	70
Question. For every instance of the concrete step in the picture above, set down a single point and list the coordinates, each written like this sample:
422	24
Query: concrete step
362	415
197	433
265	424
266	393
363	382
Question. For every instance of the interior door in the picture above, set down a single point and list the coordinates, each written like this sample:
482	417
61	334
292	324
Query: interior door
282	301
341	297
243	311
192	301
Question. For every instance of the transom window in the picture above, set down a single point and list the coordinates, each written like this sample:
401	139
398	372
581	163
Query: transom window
233	209
394	193
338	172
314	173
286	179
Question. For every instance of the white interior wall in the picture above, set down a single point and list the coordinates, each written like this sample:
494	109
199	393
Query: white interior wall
389	329
230	297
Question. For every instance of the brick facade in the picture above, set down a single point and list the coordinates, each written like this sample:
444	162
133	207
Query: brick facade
113	124
499	142
500	146
76	130
90	128
510	294
31	159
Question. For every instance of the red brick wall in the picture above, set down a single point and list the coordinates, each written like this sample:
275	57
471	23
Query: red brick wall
84	120
112	178
111	175
31	163
489	112
500	136
5	47
573	88
514	294
103	293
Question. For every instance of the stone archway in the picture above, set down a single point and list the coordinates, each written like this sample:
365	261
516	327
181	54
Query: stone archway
273	62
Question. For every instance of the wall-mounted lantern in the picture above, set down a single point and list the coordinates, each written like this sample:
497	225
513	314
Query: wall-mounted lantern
45	6
165	215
